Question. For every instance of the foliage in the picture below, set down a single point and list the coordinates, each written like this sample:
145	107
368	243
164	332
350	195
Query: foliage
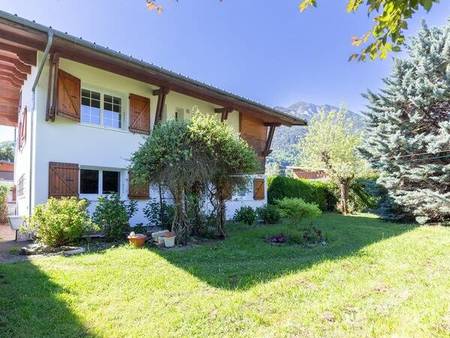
408	132
159	214
112	215
7	151
245	215
59	221
331	145
309	235
269	214
4	189
387	33
203	153
319	192
296	209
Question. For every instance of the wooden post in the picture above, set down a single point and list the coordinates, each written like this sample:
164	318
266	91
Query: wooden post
268	145
162	93
224	112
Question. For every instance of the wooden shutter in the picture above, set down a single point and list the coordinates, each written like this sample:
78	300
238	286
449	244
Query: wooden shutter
68	96
258	189
139	114
63	179
137	191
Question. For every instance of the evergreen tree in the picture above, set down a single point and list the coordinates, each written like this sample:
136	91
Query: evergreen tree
408	129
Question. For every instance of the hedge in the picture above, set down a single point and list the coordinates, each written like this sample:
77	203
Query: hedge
310	191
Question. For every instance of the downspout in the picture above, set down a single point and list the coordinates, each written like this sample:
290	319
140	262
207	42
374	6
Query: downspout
36	81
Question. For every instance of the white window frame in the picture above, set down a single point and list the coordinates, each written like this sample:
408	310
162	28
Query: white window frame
94	197
103	92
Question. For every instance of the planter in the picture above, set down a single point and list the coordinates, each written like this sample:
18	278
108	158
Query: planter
158	236
169	239
137	240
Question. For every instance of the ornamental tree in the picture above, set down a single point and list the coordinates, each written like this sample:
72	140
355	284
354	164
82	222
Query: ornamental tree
331	145
408	130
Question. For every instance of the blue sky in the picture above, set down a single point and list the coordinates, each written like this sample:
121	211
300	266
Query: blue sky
267	52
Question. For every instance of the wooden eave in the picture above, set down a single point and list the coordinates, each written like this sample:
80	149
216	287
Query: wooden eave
24	38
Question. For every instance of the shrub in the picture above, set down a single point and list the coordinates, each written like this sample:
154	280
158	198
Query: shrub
3	203
318	192
113	215
297	209
269	214
159	214
309	235
245	215
59	221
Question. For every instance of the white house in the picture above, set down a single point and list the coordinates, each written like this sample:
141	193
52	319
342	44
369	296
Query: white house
82	109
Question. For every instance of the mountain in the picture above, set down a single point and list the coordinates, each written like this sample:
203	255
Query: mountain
284	150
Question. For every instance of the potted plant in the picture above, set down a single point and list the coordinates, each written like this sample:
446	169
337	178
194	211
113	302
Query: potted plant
169	239
137	240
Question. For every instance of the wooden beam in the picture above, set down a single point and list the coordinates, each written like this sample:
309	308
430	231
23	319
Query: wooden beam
22	67
26	56
10	81
12	77
224	113
13	70
9	101
162	93
267	149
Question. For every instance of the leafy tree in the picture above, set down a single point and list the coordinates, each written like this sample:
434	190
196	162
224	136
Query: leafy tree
408	132
331	145
7	151
229	158
168	157
386	34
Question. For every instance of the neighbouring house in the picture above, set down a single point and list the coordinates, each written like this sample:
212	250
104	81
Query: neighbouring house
7	178
309	174
81	110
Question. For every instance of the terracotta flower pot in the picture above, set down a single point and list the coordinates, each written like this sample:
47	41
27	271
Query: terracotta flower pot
137	240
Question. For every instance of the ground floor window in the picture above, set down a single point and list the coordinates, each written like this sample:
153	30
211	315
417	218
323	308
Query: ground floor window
99	181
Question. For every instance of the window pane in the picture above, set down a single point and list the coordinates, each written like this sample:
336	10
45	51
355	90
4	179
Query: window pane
95	96
88	181
108	106
108	98
90	107
111	182
112	117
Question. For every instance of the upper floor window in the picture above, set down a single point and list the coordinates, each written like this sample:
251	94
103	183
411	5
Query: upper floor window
101	109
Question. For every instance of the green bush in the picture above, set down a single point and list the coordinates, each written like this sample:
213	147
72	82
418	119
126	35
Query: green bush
318	192
159	214
269	214
59	221
245	215
4	189
296	209
113	215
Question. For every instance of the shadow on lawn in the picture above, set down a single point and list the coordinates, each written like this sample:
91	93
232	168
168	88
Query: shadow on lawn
29	305
244	259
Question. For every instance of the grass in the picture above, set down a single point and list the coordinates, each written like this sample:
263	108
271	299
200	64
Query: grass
373	279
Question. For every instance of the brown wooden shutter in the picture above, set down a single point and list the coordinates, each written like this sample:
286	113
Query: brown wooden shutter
68	96
137	191
139	114
258	189
63	179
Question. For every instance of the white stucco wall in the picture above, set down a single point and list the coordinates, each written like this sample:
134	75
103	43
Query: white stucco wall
96	147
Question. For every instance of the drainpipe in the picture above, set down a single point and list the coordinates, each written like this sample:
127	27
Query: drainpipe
35	83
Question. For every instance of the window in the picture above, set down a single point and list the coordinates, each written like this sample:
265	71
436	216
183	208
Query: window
179	114
89	181
93	181
101	109
110	182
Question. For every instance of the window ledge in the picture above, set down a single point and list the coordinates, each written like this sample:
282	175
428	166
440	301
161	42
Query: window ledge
117	130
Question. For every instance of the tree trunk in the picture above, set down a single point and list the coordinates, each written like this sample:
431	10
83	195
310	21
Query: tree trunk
180	223
344	189
221	216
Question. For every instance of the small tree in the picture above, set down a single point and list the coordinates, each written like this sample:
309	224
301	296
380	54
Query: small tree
331	145
168	157
7	151
229	159
4	189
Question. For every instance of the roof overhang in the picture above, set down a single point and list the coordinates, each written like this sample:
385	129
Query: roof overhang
26	37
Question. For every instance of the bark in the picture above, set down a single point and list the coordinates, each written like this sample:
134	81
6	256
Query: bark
344	185
180	223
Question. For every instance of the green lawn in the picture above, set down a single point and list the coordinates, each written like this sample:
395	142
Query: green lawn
373	279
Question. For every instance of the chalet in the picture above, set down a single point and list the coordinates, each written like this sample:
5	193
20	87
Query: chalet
81	109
